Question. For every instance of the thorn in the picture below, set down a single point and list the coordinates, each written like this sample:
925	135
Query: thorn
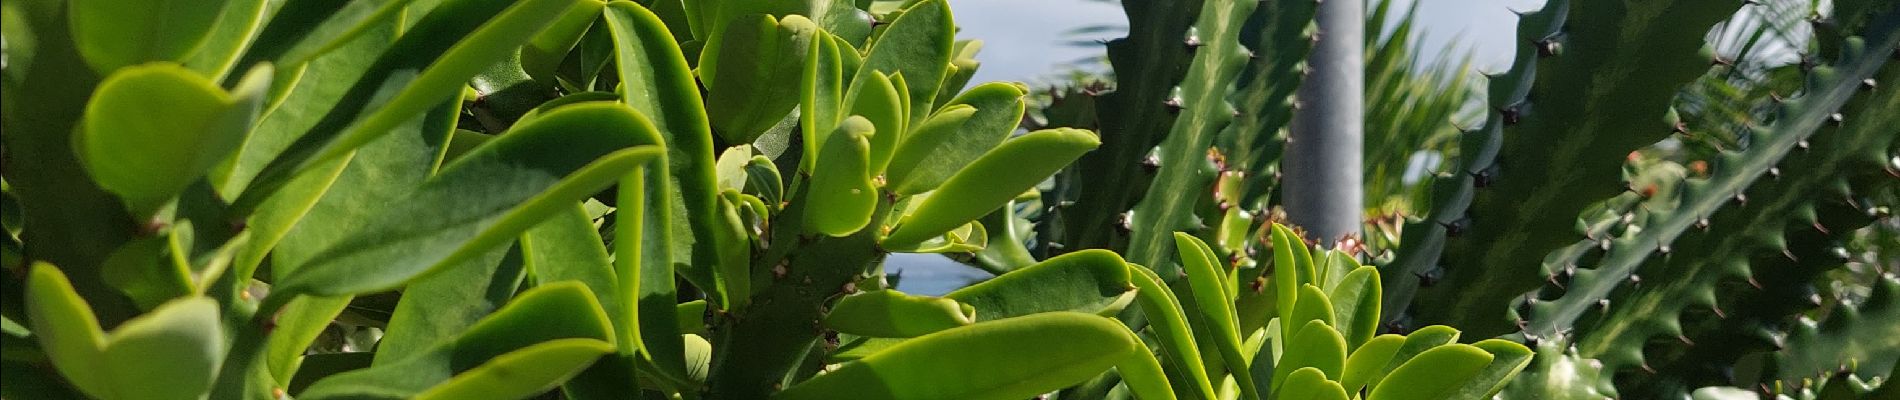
1718	312
1685	340
1703	224
1836	118
1774	172
1822	229
1741	198
1636	279
1785	252
1647	368
1867	84
1603	303
1510	115
1753	282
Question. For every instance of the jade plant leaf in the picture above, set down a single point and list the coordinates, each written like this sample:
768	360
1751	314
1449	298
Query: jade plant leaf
1011	358
1356	305
842	194
878	100
1169	323
151	130
1368	359
938	154
430	63
1090	281
917	44
926	137
1215	305
1507	359
751	73
1315	345
172	352
821	101
889	313
1434	374
114	34
561	310
1311	306
991	181
522	373
523	177
542	56
67	330
293	42
1310	383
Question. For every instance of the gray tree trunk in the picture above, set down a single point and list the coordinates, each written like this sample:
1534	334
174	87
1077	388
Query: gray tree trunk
1322	169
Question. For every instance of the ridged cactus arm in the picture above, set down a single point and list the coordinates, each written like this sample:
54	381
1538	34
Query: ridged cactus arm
1854	337
1133	119
1280	34
1603	77
1778	236
1186	174
1827	90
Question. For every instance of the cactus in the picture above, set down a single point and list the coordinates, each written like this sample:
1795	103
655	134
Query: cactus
1542	142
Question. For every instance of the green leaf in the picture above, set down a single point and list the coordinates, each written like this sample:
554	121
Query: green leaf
114	34
878	100
430	63
523	373
226	41
991	181
1316	345
1169	323
1090	281
151	130
893	314
656	81
842	194
542	56
1370	358
438	306
917	45
821	100
763	180
1356	305
1416	343
928	157
1142	374
752	71
561	310
644	265
566	247
1507	359
1310	384
67	330
292	42
1434	374
172	352
523	176
927	137
1011	358
1216	306
1311	306
1288	270
734	268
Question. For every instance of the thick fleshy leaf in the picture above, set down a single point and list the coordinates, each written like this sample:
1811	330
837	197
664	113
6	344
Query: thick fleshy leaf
430	63
1216	307
1370	358
889	313
655	80
821	100
963	65
438	306
1288	271
233	32
543	54
67	330
150	130
1315	345
917	45
566	247
1169	323
877	99
924	160
1090	281
325	26
522	373
991	181
561	310
1311	306
522	177
842	194
1508	358
1141	372
734	268
1003	359
752	73
931	135
172	352
1434	374
1416	343
1356	305
114	34
1310	384
644	265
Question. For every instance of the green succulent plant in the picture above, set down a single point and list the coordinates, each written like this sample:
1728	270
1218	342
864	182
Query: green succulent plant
501	199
